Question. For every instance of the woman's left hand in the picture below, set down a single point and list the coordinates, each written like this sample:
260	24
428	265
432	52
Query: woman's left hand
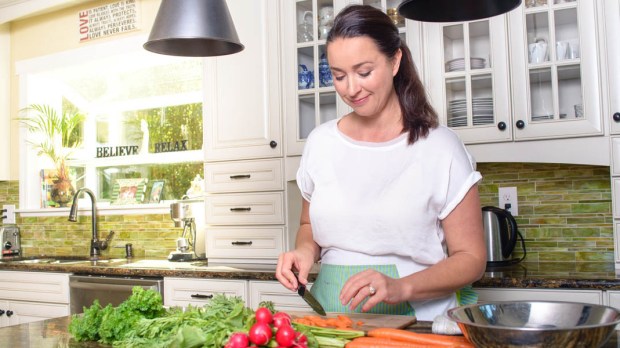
372	285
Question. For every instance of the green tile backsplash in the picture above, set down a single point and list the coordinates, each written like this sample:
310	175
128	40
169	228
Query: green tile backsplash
564	209
564	215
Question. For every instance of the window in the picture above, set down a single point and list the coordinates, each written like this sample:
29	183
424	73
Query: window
142	123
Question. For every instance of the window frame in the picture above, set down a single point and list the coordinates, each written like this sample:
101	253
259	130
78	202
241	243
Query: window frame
29	180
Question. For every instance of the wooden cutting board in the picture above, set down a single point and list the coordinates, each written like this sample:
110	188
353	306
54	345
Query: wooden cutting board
370	321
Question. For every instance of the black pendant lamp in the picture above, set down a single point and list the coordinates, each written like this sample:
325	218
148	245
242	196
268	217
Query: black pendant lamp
193	28
454	10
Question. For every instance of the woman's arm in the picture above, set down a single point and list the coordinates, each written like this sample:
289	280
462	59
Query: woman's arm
306	253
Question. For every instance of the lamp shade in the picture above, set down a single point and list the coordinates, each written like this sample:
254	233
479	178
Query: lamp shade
454	10
193	28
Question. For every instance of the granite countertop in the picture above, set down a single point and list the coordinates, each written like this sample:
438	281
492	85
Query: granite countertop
52	333
567	275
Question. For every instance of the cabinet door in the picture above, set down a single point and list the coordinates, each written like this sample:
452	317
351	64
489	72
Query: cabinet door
198	292
242	107
612	47
256	243
467	77
5	115
27	312
245	209
555	69
283	298
35	286
585	296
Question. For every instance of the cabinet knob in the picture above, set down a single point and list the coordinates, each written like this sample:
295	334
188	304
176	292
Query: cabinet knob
501	126
1	312
273	144
520	124
616	116
9	313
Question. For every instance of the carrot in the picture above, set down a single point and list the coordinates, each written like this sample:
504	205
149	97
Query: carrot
376	342
420	338
341	321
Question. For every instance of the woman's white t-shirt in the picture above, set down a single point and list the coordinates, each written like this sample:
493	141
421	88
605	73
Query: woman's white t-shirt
382	203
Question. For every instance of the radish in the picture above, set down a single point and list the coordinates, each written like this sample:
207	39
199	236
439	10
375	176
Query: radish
280	319
263	315
285	336
260	334
238	340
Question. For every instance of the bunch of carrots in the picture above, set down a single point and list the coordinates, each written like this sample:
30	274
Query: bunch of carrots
387	338
341	322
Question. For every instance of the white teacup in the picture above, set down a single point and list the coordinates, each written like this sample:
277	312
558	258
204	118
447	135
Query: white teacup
538	52
561	49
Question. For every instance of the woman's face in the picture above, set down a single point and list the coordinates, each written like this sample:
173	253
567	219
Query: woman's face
363	75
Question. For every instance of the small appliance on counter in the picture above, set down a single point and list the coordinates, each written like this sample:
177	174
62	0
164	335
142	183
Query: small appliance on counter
500	234
181	214
10	241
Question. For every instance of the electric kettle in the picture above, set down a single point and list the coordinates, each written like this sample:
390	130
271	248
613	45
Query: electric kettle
500	234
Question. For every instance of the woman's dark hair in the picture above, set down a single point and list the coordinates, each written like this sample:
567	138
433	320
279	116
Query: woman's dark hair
363	20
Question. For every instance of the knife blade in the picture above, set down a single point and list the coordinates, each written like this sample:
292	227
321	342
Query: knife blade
309	298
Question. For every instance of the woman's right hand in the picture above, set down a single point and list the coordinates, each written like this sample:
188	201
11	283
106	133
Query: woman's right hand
299	260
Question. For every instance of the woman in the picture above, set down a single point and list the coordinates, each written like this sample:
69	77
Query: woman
391	206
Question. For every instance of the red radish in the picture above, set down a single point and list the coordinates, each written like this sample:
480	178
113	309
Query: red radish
260	333
263	315
280	319
302	340
238	340
285	336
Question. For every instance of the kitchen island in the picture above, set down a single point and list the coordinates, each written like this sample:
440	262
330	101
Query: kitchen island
52	333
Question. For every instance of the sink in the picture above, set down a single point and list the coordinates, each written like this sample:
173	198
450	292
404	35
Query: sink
59	261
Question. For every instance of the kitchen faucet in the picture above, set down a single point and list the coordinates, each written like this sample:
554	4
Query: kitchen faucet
96	245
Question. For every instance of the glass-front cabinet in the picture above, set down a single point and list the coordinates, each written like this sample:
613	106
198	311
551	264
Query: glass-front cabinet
555	69
310	96
469	89
529	74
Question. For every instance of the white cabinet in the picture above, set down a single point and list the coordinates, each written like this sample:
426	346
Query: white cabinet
283	298
487	95
32	296
584	296
245	210
309	96
243	101
197	292
612	63
5	117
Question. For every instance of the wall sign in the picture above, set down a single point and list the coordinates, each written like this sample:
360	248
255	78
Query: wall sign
113	151
171	146
111	19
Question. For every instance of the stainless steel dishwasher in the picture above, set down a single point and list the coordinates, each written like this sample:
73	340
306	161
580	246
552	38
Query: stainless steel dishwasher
84	289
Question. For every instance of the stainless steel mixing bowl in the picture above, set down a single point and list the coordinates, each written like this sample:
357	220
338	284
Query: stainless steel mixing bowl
536	324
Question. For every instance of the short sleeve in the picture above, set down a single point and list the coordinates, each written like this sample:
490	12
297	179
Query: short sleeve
304	180
462	176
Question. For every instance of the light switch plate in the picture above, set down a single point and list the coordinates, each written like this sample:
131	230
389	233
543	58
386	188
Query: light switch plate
9	213
508	200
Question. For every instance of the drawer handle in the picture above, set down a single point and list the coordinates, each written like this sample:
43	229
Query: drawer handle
202	296
242	243
240	176
9	313
241	209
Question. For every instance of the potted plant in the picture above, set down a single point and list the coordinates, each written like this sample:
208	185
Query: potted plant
56	136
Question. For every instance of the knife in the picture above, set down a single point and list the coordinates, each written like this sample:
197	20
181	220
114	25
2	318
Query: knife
309	298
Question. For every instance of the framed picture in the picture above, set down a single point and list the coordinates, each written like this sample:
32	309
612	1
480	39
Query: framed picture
129	191
157	189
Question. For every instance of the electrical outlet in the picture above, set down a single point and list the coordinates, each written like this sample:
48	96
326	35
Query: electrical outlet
9	213
508	200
